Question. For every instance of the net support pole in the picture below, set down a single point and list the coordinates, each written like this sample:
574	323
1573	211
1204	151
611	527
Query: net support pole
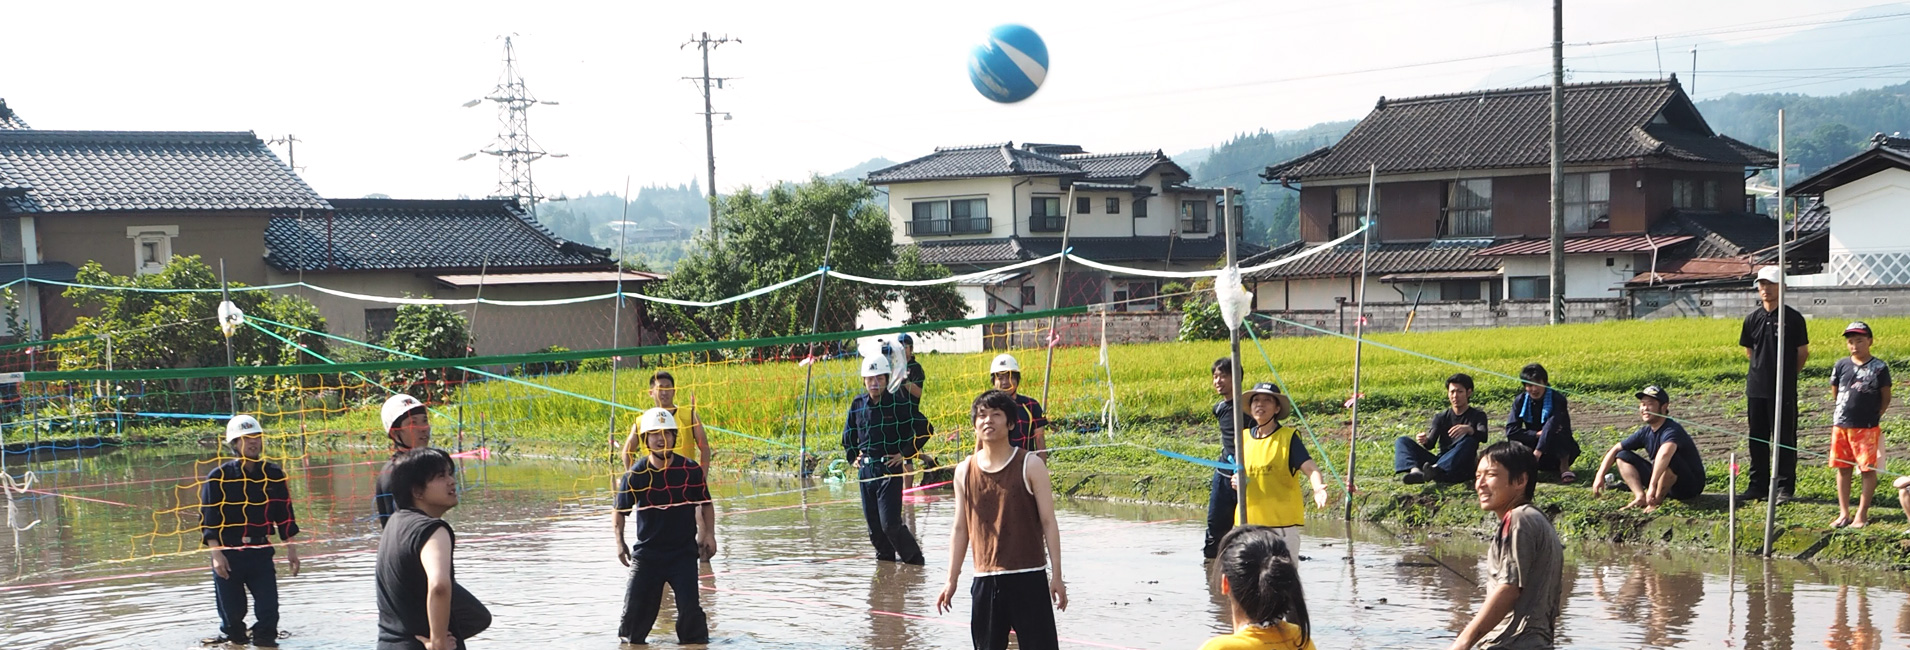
470	345
231	383
809	370
1359	339
616	319
1731	497
1785	357
1233	356
1060	267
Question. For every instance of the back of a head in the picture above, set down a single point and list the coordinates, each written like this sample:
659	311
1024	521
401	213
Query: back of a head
410	471
1262	579
1517	460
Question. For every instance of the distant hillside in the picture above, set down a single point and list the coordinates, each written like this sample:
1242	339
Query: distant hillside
655	209
1818	130
857	172
1272	211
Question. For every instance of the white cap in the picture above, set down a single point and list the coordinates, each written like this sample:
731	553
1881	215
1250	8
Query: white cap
656	419
875	366
241	426
396	407
1004	362
1769	274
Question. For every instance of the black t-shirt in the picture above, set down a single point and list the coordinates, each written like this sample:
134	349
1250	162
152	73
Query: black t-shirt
381	495
877	428
1229	443
1443	423
666	500
1023	422
401	578
246	500
1760	335
916	375
1685	460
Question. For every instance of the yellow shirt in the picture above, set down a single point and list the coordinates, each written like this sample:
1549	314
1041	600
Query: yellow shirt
1283	636
1272	488
685	439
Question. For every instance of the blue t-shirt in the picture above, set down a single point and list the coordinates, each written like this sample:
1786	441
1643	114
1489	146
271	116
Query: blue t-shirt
1859	392
1685	461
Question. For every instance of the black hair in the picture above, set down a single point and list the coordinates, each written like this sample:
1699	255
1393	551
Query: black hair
1262	579
1016	373
1534	373
411	470
1462	379
662	375
994	399
1224	364
1517	459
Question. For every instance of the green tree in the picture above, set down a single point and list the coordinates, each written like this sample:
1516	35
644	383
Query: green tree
433	332
778	234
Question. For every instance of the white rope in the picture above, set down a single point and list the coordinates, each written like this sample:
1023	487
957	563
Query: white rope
561	301
948	280
1215	273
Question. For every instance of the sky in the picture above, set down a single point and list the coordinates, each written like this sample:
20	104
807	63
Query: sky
374	91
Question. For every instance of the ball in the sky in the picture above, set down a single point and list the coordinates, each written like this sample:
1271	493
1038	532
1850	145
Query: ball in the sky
1010	65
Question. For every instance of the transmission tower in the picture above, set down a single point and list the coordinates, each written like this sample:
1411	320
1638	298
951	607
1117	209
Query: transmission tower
514	147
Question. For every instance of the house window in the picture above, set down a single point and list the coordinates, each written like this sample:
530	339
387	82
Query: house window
1114	205
1027	296
1349	206
1459	290
1710	195
957	216
1044	214
1193	216
1137	296
1083	205
379	321
152	247
10	250
1468	208
1140	208
1536	287
1684	193
1587	201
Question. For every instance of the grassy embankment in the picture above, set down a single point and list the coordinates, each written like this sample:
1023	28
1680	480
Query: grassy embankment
1163	393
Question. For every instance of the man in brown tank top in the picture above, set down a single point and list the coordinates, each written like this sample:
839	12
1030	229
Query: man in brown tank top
1004	509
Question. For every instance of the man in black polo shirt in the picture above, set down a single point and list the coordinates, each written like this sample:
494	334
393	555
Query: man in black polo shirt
1762	394
676	526
242	502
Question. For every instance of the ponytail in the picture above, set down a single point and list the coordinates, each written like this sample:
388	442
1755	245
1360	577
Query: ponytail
1262	579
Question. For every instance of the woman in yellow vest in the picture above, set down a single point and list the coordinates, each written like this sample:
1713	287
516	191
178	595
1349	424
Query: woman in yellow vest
1273	458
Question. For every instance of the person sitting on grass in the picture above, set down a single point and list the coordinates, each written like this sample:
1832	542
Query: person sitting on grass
1525	563
1542	422
1004	510
1262	584
1860	385
1456	434
1673	468
1273	459
691	441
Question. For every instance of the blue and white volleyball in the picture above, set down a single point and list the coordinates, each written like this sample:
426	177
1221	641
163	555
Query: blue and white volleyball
1010	66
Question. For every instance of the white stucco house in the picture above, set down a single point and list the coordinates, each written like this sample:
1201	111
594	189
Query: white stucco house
975	208
1868	199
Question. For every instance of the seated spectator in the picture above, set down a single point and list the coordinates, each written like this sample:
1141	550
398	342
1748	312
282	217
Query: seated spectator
1670	465
1541	421
1447	451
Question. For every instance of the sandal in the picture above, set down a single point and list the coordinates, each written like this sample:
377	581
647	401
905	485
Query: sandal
1567	477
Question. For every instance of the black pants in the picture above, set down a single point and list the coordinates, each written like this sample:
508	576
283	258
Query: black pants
882	508
1221	506
469	617
1686	487
1758	411
1012	601
645	597
248	569
1458	463
1559	449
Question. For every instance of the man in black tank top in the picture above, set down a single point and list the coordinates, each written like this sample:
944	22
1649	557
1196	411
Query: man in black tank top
420	604
1007	516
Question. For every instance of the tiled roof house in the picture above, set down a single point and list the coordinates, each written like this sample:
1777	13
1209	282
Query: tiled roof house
1463	196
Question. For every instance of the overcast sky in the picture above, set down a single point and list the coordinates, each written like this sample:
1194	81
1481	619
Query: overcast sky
374	90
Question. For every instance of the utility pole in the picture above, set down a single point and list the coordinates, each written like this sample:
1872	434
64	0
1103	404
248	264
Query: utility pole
291	150
1558	163
705	43
514	147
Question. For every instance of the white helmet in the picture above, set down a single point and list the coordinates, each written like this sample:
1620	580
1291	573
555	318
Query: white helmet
656	419
396	407
241	426
1004	362
875	366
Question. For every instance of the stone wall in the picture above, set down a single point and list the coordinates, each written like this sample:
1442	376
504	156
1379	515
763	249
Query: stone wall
1085	329
1837	303
1426	317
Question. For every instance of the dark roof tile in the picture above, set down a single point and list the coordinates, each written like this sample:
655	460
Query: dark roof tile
973	162
421	235
10	119
1417	257
123	171
984	252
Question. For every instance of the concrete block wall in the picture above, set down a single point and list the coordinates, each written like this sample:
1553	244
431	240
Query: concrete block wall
1838	303
1428	317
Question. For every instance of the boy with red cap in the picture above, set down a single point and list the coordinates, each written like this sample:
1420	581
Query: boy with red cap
1860	386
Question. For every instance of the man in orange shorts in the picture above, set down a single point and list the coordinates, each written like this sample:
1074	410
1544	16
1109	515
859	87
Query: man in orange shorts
1860	386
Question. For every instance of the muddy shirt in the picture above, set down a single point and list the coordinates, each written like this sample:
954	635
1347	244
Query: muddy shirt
1527	554
1859	392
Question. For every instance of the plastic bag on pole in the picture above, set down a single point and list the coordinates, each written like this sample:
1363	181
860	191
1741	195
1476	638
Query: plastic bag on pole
230	318
1233	297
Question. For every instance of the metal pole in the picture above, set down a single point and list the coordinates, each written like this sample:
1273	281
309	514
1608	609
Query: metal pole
1233	346
1060	265
1732	496
616	315
1777	418
1557	297
809	371
231	390
470	343
1359	338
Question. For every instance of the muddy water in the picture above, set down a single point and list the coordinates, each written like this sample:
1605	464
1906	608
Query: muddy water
107	567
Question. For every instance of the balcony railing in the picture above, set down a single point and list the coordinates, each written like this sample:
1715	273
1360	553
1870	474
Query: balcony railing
980	225
1049	223
1193	225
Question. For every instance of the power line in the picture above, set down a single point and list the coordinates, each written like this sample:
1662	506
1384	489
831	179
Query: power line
705	43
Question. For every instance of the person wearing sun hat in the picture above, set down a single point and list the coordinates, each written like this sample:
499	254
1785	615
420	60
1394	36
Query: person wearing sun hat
1273	459
1659	460
241	503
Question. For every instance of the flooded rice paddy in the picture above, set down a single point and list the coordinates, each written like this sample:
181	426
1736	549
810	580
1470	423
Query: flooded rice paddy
111	564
